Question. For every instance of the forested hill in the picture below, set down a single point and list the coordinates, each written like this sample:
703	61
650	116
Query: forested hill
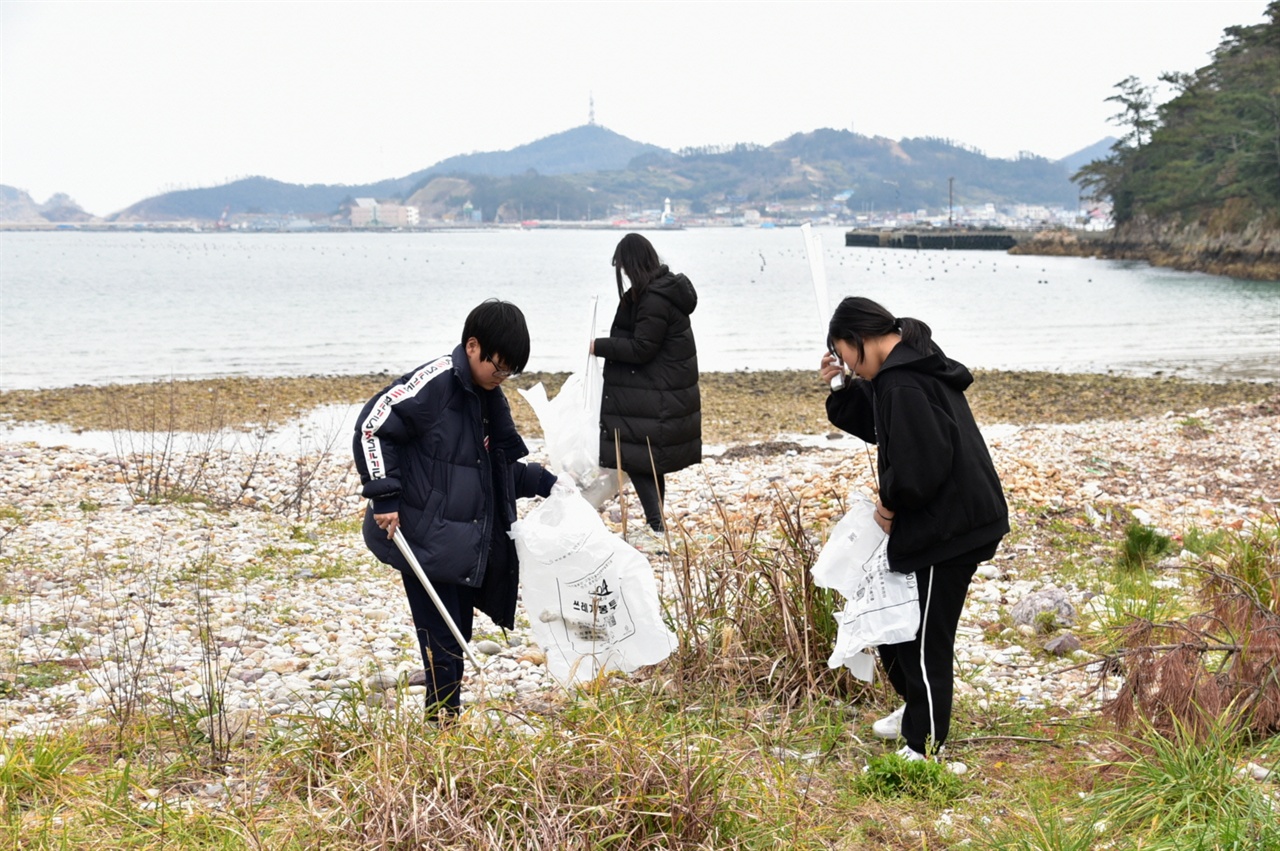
1196	181
583	149
589	170
879	173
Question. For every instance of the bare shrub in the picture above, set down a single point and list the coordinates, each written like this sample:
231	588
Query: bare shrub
118	652
749	614
1220	666
179	446
215	721
163	461
315	453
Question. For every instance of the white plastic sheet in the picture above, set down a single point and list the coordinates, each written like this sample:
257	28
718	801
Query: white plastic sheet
591	597
882	607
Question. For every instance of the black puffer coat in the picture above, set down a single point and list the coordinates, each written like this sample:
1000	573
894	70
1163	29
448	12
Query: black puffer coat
935	472
651	379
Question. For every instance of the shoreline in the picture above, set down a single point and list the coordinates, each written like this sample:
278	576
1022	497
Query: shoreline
736	406
1247	263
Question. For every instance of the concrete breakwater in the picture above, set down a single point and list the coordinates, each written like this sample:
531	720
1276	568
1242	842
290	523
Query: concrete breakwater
950	238
1251	252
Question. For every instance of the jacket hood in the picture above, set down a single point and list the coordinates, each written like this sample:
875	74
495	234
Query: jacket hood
950	372
676	289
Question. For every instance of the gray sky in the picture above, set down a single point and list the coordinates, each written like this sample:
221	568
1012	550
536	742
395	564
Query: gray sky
112	102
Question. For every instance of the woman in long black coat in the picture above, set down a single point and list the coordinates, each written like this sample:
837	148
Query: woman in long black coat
651	410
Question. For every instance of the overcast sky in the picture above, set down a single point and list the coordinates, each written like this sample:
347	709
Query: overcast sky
112	102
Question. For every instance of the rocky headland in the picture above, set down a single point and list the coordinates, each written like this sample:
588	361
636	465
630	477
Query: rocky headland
1215	244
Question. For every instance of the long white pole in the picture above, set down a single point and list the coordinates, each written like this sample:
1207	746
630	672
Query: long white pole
403	546
818	274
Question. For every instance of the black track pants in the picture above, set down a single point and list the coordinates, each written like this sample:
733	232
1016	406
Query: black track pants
651	496
927	690
441	656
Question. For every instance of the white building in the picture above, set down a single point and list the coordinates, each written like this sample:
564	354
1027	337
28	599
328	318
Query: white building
369	212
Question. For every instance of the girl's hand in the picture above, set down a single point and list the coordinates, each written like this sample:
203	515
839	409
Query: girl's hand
591	347
830	368
884	517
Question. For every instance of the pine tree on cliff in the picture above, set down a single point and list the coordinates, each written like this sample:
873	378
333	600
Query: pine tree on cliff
1213	147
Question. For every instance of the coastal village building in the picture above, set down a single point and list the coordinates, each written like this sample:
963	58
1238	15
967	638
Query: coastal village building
370	213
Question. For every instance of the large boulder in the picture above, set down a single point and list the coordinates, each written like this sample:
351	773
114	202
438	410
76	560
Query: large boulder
1052	599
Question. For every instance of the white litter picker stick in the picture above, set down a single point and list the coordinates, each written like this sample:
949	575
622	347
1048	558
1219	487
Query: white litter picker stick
403	546
818	273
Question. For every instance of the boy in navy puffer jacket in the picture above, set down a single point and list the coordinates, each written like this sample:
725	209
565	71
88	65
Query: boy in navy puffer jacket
438	456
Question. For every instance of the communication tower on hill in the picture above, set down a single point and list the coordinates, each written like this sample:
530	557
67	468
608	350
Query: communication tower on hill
591	109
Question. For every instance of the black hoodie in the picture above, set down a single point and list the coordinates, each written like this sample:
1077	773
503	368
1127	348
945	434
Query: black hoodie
935	472
651	397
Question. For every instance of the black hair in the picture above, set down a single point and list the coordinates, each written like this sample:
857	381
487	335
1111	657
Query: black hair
500	329
636	256
857	318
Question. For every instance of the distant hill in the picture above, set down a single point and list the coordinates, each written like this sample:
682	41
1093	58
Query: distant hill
879	174
1099	150
588	170
16	206
583	149
586	148
249	195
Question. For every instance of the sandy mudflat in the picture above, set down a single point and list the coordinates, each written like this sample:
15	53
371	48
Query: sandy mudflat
736	405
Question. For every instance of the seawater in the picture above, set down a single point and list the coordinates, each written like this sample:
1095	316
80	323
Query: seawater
93	308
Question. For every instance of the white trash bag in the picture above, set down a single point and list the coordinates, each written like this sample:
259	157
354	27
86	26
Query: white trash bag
591	597
852	542
882	607
571	428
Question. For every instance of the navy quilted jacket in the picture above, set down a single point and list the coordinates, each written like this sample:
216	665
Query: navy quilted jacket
419	447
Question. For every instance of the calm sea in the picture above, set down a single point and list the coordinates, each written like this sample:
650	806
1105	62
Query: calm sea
91	308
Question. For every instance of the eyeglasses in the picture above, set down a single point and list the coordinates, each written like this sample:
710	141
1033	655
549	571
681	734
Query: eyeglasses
499	372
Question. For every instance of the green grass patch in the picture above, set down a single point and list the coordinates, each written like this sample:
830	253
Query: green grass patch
1142	547
43	675
1202	542
892	775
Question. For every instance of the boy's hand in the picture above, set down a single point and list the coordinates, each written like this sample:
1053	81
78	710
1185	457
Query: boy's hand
390	522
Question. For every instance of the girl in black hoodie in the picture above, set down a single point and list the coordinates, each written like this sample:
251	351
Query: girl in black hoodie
940	498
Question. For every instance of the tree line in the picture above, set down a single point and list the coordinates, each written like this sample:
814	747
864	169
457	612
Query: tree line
1213	147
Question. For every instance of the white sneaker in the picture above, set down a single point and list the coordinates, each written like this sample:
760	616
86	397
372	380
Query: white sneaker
647	541
890	726
911	756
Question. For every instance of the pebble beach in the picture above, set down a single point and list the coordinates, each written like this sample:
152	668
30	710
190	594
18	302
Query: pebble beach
272	576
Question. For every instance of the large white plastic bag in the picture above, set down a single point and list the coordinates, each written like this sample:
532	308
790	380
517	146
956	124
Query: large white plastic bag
882	607
591	597
852	542
571	428
571	425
